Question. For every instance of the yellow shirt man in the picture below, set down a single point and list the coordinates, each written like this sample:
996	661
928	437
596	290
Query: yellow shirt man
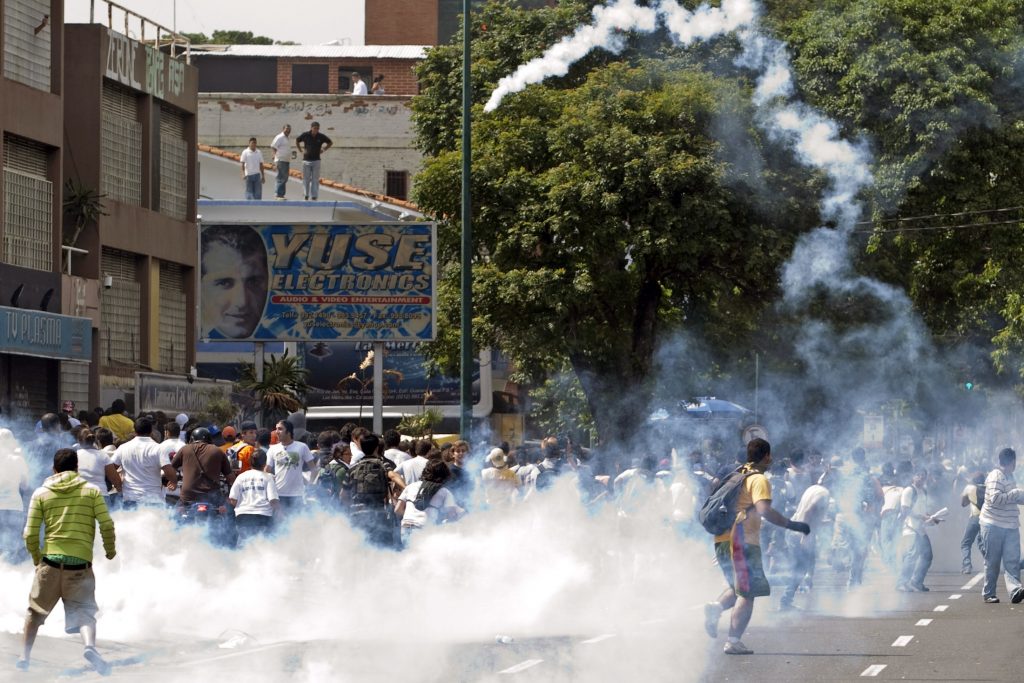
120	424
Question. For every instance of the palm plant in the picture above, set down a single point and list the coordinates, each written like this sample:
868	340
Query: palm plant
282	389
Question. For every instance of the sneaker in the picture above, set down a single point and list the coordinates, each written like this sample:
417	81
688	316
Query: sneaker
967	570
712	612
991	600
1016	596
737	648
903	588
98	663
21	665
919	588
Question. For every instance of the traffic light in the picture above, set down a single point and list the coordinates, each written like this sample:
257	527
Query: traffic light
969	385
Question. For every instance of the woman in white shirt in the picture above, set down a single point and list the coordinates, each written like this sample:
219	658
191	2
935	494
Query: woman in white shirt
427	500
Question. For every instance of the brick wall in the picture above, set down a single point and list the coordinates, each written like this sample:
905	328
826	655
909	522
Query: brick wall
371	134
401	22
399	78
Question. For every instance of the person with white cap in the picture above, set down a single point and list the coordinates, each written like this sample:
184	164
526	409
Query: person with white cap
500	484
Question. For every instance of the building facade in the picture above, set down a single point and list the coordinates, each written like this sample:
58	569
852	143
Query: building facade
418	22
373	136
130	135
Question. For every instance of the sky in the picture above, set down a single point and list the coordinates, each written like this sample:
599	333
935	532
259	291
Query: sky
308	22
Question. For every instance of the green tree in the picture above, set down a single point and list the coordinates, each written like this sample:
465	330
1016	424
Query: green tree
228	37
608	213
936	86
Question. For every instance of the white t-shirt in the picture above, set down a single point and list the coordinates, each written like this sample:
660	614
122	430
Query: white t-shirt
286	463
412	469
13	478
812	506
92	464
397	456
913	524
254	490
442	502
141	461
892	495
282	147
359	88
974	506
252	160
168	447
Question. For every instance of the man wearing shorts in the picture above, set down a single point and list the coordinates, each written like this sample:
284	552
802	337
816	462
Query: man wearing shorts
739	550
70	508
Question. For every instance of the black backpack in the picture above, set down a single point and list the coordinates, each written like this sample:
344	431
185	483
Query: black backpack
368	481
718	513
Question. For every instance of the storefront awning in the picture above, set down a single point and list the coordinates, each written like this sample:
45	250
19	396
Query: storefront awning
45	335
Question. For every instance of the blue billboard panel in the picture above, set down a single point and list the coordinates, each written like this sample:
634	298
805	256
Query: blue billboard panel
317	282
47	335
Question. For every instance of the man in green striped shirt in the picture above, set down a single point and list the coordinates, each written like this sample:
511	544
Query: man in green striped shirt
70	508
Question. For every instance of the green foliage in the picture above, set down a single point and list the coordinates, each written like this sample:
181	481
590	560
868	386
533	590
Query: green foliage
608	213
559	406
281	390
230	38
420	424
83	205
218	409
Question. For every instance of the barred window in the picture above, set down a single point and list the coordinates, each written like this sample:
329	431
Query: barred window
120	310
74	383
173	317
397	184
173	164
27	35
28	205
121	145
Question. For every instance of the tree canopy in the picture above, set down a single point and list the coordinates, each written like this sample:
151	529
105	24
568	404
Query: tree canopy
635	198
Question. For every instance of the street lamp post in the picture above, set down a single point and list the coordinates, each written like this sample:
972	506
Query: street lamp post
466	332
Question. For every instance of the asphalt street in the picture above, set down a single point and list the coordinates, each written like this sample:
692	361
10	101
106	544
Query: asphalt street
947	634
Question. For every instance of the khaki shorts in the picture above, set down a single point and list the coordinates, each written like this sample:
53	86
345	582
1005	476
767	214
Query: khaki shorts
76	588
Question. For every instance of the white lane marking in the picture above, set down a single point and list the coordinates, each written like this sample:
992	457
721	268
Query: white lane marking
874	670
521	666
598	639
973	582
923	622
902	641
941	608
955	596
232	655
654	621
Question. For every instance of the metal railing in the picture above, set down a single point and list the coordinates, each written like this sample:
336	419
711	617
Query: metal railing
179	44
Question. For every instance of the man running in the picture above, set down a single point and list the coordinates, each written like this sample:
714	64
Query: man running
70	509
739	550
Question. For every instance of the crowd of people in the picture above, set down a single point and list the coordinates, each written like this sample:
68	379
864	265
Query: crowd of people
242	482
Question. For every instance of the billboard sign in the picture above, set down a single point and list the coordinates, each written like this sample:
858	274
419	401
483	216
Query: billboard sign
317	282
47	335
176	394
340	376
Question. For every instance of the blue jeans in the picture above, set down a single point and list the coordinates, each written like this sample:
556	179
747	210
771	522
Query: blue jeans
253	186
1001	545
282	177
311	179
971	532
917	559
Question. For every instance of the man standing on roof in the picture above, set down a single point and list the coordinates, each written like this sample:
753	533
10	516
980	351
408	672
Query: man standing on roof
282	147
312	144
252	171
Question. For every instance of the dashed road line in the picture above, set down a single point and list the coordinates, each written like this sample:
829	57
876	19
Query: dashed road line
873	670
941	608
923	622
902	641
973	582
521	666
955	596
598	639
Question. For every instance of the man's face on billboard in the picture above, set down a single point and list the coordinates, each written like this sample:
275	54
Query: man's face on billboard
234	290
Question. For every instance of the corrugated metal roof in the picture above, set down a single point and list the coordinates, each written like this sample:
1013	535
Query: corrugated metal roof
325	51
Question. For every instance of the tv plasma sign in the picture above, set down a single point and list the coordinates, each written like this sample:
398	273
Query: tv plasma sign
295	282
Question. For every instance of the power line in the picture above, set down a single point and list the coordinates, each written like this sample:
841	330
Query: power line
927	228
941	215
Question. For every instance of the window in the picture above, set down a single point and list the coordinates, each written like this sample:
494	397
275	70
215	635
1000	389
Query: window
173	164
396	184
310	78
27	42
173	317
121	145
120	311
28	205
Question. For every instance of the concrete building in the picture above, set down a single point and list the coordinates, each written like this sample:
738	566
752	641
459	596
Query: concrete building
97	215
373	136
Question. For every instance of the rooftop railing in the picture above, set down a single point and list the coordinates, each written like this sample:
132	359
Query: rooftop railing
137	26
